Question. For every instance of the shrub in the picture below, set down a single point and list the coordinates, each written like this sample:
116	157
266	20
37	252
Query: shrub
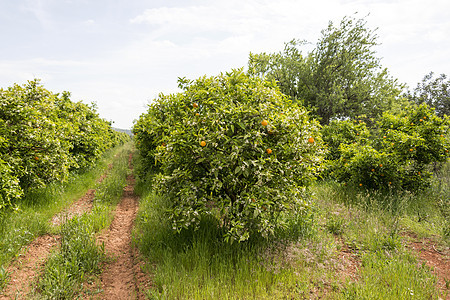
232	147
400	151
44	135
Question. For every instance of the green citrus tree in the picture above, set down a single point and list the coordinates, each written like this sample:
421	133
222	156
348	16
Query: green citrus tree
232	147
401	150
44	135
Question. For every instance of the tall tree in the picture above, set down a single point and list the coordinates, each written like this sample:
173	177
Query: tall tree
435	92
340	78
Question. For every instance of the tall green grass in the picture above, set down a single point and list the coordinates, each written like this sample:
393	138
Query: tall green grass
306	260
198	264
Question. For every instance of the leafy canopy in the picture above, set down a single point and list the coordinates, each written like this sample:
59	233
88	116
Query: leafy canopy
340	78
231	147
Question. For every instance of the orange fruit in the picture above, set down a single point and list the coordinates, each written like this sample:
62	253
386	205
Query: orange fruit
36	158
384	136
373	170
411	150
360	184
197	114
381	165
311	140
195	105
269	151
203	143
390	183
264	123
424	117
420	120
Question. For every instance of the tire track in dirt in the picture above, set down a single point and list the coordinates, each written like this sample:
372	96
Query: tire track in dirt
25	269
122	277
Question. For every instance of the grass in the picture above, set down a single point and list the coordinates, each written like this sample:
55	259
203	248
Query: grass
354	249
79	256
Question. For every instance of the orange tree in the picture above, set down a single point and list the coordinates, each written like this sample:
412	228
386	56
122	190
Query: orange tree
88	134
43	136
232	147
400	151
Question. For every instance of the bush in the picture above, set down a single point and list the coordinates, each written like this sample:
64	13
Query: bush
231	147
400	151
43	136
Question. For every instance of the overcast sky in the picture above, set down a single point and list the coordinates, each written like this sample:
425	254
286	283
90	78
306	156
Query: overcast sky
122	53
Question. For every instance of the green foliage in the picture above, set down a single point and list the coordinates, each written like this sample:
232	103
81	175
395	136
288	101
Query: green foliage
43	136
343	132
400	151
216	155
435	92
340	78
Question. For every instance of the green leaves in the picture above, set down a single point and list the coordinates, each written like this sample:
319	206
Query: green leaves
43	136
398	152
340	78
233	176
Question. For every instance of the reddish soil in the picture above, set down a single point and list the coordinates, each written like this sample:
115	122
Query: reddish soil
79	207
25	269
434	256
348	264
122	277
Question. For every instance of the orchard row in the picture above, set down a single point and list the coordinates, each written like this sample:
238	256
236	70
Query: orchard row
43	136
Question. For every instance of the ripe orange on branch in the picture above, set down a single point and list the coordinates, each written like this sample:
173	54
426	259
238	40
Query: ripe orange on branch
264	123
311	140
269	151
203	143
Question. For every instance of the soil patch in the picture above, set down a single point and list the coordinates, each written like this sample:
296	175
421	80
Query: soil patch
27	267
436	257
123	277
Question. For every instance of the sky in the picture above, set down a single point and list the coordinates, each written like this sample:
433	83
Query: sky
121	54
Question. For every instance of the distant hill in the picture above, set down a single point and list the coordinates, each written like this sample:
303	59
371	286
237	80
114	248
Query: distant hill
127	131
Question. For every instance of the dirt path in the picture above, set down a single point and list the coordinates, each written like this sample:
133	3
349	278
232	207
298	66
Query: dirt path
122	277
29	264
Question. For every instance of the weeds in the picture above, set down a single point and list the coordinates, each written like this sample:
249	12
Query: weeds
78	257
